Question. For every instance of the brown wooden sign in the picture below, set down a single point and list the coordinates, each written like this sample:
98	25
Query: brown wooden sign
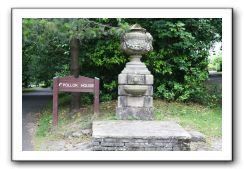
72	84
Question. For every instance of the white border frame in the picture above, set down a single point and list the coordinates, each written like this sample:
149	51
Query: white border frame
19	155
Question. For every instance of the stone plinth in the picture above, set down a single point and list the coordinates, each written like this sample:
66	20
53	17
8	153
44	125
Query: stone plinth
127	135
135	101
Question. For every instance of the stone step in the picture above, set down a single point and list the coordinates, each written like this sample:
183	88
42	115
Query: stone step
136	135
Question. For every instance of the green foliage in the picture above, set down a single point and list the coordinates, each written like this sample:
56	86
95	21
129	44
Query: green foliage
209	95
64	71
64	99
179	60
211	67
45	50
44	124
215	63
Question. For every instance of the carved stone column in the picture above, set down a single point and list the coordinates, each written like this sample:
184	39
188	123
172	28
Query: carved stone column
135	82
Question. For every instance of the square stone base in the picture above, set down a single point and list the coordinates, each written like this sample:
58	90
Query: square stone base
121	135
134	113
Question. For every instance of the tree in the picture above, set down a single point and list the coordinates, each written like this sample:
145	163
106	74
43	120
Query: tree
75	71
178	62
54	41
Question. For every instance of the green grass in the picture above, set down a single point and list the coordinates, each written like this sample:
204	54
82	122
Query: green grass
207	120
28	90
190	116
44	124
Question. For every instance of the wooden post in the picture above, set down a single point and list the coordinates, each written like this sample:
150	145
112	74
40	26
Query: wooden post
96	95
55	102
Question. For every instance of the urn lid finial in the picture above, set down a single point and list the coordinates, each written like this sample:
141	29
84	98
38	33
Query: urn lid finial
137	27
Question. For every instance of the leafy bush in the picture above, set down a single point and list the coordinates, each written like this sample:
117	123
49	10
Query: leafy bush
217	62
179	60
210	95
211	67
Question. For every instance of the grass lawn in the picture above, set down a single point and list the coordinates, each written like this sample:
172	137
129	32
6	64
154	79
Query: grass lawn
190	116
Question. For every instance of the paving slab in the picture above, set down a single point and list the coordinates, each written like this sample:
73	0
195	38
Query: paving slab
135	128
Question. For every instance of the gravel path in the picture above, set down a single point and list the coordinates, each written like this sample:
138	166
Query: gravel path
216	145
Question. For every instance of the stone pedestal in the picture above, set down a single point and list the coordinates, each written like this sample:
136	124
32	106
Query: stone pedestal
123	135
135	101
135	83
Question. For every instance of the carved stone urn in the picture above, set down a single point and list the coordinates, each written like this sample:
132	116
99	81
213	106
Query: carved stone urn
135	82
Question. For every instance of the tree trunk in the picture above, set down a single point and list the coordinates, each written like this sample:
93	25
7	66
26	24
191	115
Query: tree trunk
75	71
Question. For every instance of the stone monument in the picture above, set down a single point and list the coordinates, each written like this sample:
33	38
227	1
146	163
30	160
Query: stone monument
135	82
135	130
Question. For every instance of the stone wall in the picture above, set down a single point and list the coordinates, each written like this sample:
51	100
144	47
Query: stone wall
139	144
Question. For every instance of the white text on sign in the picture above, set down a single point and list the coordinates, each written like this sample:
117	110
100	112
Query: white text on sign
76	85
